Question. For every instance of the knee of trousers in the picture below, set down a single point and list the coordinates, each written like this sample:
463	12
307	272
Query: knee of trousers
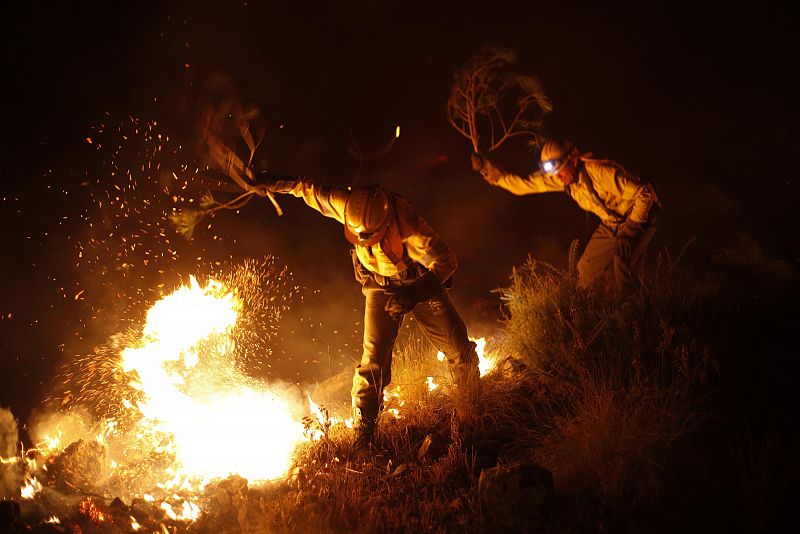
583	267
369	403
588	271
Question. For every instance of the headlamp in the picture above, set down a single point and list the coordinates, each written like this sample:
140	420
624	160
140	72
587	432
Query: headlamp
552	166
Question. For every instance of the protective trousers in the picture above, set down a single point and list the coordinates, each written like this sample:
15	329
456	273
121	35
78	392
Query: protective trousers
441	323
601	262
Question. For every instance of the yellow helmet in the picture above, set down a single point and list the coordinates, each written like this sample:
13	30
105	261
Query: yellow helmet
366	215
555	154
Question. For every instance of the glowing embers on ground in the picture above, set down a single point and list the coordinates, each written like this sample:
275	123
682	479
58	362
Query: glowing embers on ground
188	414
195	404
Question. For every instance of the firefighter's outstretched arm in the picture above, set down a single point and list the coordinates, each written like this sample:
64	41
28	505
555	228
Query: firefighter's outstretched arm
326	199
495	175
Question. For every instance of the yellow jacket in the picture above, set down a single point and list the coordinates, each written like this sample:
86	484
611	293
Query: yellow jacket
408	240
621	195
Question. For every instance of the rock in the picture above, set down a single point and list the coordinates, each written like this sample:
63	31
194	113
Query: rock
82	465
399	470
226	505
119	508
433	446
144	511
512	496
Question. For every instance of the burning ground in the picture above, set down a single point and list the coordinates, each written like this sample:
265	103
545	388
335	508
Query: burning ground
663	414
167	411
590	416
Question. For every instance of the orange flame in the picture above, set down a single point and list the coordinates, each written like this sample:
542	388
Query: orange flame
207	408
31	487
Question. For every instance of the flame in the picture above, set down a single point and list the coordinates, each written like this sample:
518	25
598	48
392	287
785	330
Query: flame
193	406
169	511
31	487
214	416
486	362
88	509
325	421
49	443
431	384
54	520
319	414
189	511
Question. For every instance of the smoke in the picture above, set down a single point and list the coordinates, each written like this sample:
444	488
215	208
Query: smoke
9	434
68	427
11	473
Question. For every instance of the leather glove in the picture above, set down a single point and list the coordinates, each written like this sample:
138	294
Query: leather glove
478	161
405	298
268	183
626	234
487	169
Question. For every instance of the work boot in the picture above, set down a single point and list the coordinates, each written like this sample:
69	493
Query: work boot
365	421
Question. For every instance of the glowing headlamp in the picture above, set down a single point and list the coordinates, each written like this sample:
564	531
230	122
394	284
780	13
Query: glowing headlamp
552	166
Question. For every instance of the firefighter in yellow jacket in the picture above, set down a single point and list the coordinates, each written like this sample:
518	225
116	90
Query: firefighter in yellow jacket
403	267
627	206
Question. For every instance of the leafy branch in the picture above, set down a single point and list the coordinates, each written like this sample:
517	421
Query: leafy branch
225	129
488	94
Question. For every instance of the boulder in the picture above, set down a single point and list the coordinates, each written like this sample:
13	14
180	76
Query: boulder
80	466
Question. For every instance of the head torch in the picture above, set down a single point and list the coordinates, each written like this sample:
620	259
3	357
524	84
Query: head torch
552	167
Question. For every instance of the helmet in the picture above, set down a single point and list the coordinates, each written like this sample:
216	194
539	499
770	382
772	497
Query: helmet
555	154
366	215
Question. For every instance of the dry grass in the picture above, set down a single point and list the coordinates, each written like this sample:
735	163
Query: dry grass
627	404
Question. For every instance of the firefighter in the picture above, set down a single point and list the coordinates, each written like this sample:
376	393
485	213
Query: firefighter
628	208
402	267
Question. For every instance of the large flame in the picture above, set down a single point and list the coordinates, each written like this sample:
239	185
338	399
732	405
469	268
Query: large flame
190	406
218	421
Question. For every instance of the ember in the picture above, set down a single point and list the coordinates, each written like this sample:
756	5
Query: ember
88	509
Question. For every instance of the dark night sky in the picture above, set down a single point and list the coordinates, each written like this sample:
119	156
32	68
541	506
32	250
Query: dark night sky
700	98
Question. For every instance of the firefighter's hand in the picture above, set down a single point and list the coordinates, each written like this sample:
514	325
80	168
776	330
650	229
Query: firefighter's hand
262	190
478	161
268	183
265	184
400	303
487	169
405	298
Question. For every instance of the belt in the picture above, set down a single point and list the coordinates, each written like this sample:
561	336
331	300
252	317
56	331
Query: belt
400	279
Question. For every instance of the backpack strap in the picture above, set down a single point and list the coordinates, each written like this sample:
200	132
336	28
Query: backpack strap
583	176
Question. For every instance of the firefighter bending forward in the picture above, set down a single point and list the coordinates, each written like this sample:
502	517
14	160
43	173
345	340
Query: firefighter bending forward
402	266
627	206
